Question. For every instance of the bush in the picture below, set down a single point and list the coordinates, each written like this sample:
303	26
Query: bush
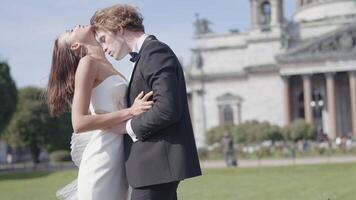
299	130
60	156
216	134
203	153
247	132
256	132
264	152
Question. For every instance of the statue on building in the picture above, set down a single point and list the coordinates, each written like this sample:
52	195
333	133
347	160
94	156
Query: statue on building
201	26
265	17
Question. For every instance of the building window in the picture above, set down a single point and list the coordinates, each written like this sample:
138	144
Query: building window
229	107
228	114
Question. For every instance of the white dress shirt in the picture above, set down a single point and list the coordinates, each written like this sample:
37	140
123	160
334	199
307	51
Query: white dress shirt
136	48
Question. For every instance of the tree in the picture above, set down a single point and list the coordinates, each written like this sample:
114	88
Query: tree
8	95
32	125
59	133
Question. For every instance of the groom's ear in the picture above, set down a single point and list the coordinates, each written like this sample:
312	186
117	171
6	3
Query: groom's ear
75	47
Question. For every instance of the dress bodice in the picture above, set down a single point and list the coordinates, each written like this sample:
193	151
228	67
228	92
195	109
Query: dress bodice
109	95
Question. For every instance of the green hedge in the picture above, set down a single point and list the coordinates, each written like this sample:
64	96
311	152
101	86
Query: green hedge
256	132
60	156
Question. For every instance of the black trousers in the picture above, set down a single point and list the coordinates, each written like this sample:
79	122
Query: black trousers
166	191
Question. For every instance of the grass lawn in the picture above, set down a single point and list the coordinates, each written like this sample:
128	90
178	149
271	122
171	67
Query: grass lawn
312	182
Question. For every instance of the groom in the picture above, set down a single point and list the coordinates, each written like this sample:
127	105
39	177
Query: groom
160	148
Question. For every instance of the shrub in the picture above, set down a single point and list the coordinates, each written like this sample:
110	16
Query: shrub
299	130
256	132
247	132
216	134
60	156
203	153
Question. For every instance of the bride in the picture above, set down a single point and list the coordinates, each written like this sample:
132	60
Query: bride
82	80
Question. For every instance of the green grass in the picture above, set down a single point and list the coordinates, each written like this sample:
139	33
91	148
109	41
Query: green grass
312	182
33	186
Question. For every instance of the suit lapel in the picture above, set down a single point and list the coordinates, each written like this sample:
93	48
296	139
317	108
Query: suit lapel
149	38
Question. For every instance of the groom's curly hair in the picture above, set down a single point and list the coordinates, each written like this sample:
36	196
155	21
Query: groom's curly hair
118	16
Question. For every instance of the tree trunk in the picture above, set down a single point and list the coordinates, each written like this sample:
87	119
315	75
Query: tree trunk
35	151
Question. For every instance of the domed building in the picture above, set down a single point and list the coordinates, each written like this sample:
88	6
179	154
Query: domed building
278	70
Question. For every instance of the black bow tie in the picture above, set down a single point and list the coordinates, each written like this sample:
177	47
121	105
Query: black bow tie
134	56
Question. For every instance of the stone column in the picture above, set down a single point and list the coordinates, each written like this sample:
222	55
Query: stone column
277	12
307	90
298	3
331	104
253	11
281	12
286	100
352	81
197	118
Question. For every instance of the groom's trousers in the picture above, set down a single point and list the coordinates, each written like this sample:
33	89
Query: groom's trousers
166	191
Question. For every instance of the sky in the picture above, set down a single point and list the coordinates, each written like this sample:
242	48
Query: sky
28	28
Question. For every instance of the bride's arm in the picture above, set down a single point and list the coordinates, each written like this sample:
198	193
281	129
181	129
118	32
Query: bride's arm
81	120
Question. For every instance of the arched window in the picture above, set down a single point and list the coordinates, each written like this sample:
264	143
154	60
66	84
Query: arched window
266	13
229	107
228	114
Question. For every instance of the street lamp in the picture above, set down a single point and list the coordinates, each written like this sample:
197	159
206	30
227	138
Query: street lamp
318	104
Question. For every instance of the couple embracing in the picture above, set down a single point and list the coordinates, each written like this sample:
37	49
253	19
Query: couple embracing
132	139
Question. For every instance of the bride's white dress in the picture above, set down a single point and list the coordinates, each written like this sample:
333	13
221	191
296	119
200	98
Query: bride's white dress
99	154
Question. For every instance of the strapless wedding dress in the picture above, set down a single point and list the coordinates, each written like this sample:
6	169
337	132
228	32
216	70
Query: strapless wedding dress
99	154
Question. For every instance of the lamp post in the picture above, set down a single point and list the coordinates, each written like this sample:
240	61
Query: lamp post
317	105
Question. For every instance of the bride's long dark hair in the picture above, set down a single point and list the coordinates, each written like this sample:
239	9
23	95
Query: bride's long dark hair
60	88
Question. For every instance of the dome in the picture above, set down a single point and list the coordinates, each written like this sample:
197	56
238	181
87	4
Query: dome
321	10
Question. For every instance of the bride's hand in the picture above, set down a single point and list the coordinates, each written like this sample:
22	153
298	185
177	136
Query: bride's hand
141	103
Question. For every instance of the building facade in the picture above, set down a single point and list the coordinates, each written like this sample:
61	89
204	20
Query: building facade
278	70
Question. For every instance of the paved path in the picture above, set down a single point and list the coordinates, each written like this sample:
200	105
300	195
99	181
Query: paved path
281	162
205	164
30	167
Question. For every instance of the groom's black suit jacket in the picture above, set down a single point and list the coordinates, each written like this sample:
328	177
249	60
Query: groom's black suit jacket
166	149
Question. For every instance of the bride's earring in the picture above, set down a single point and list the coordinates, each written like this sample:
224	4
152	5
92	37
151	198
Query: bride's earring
81	53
